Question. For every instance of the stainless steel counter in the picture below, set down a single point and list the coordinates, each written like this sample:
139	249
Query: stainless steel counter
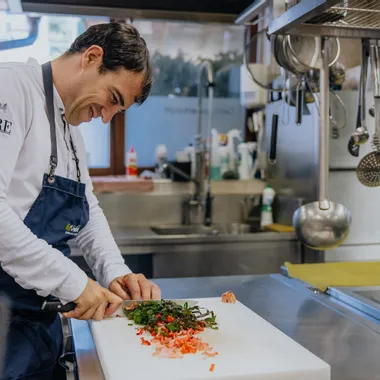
342	336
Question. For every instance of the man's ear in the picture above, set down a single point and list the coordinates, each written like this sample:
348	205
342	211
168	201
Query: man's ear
93	56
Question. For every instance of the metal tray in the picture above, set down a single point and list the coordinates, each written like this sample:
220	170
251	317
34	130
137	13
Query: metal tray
363	298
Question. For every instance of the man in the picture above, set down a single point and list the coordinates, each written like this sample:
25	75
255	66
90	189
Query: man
46	195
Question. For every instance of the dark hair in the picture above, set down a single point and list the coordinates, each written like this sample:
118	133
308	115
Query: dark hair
123	47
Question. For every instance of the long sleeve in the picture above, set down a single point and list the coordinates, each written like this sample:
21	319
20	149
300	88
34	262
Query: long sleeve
30	261
95	240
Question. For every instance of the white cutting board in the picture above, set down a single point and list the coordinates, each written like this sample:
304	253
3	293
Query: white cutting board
248	347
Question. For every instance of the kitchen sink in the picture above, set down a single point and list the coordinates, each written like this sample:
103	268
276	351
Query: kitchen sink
186	230
198	229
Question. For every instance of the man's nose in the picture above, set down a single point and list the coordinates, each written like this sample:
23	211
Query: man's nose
107	114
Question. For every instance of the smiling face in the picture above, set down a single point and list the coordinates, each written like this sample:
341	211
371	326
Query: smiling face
100	94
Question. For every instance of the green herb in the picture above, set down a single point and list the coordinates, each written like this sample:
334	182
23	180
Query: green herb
211	321
166	316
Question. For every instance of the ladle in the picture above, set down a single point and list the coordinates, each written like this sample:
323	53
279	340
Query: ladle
322	224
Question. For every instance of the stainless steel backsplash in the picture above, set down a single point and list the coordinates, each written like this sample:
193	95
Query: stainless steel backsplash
295	172
143	210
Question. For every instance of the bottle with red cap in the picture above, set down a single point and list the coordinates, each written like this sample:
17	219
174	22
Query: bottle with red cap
131	164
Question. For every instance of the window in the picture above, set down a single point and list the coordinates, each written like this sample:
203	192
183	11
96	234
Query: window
169	116
93	133
55	35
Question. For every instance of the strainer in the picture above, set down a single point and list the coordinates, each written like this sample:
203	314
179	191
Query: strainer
368	170
304	52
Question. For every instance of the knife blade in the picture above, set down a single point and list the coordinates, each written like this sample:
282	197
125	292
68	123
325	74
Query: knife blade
181	302
57	306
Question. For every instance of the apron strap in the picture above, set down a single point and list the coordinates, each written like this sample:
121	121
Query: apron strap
47	76
73	148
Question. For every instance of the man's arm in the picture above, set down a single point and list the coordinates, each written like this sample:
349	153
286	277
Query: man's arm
101	252
95	240
30	261
98	245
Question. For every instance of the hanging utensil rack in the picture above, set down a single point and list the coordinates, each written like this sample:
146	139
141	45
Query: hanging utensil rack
328	18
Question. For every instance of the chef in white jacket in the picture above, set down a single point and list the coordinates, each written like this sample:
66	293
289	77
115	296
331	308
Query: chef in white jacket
46	195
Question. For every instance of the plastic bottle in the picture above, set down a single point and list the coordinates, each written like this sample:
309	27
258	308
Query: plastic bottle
215	158
231	135
223	153
266	209
131	160
244	161
223	139
161	159
252	147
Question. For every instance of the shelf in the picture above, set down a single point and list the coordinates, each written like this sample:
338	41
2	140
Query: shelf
330	31
345	19
298	14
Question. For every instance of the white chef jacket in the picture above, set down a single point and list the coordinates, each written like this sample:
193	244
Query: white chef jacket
24	158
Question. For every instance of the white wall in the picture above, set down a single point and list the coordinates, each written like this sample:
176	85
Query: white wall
363	242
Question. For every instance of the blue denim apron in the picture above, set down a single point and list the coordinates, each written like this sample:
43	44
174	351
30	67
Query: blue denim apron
34	340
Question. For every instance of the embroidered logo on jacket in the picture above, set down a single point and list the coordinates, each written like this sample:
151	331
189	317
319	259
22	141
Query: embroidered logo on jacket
72	230
5	126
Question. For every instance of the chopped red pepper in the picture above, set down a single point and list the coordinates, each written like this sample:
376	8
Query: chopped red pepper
211	354
145	342
175	344
212	367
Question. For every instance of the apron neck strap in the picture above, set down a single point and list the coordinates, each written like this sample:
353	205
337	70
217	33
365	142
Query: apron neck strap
47	75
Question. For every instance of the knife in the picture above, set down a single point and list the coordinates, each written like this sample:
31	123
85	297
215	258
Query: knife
57	306
181	302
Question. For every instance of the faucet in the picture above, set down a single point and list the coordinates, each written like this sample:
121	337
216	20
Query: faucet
200	197
188	203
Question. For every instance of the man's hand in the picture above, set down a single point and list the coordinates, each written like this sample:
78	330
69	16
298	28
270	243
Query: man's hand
135	287
95	302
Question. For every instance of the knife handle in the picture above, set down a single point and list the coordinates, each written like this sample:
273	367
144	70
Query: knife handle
56	306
